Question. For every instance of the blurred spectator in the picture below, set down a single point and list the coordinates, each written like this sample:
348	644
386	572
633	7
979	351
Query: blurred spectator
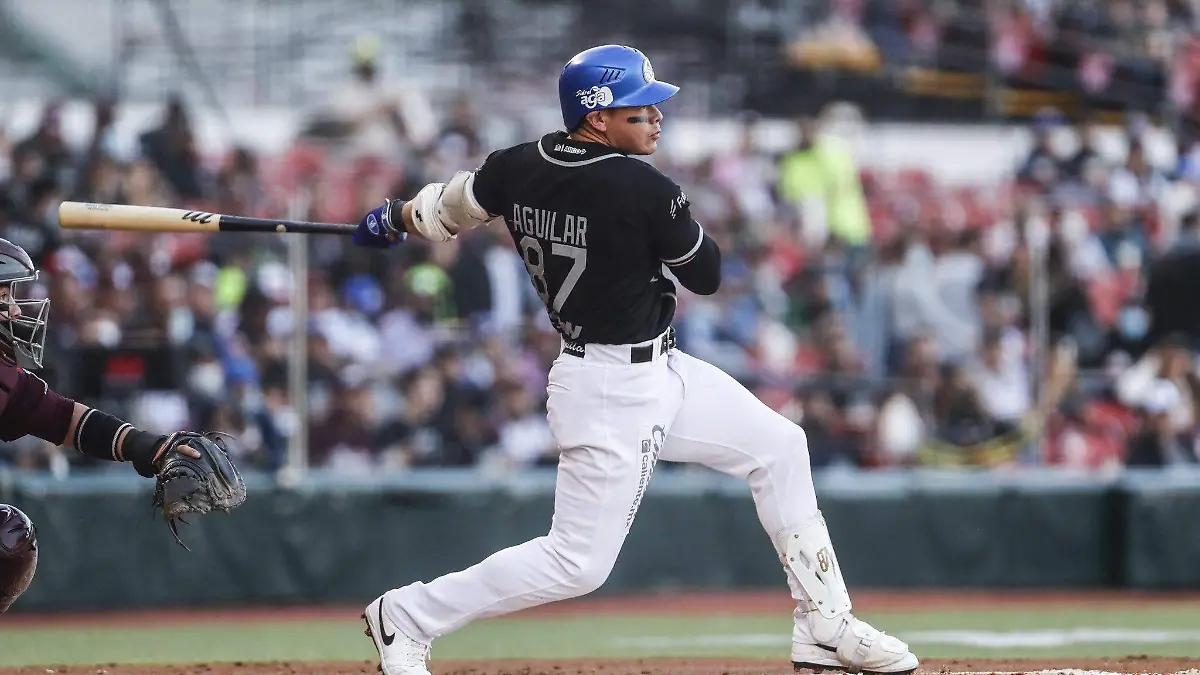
959	271
1173	284
960	415
919	308
829	440
523	434
343	440
1044	166
1172	361
819	179
416	437
1159	443
44	154
372	117
1000	378
171	148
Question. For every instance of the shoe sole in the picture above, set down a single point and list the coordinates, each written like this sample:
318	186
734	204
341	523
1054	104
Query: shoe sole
803	667
371	635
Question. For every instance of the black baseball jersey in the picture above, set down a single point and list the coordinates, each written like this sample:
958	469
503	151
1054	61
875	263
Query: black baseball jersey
594	227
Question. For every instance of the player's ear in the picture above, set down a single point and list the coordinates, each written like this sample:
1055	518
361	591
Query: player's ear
598	119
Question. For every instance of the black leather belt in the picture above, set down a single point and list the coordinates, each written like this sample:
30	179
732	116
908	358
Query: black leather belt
640	354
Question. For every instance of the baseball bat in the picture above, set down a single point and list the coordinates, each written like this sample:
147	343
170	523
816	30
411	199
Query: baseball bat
90	216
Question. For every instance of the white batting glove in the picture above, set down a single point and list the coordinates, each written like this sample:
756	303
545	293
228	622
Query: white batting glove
427	213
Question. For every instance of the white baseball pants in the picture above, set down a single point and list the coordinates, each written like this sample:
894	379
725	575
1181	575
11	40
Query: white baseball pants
613	421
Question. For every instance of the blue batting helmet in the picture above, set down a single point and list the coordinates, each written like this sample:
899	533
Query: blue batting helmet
608	76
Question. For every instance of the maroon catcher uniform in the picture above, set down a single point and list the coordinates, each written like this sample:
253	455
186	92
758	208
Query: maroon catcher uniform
29	407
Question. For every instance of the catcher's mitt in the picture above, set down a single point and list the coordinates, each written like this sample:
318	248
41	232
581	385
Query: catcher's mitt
185	485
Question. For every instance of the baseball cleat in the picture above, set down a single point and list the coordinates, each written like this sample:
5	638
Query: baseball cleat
398	653
860	649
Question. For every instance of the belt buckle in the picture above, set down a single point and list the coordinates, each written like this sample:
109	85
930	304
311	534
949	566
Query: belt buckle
668	341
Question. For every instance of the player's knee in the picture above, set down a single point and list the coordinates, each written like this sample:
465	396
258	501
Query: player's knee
591	576
583	571
789	446
798	444
18	554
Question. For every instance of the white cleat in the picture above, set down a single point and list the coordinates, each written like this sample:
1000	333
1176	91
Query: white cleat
398	653
852	646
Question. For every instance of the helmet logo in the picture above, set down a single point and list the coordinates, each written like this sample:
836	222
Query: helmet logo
647	70
596	96
611	75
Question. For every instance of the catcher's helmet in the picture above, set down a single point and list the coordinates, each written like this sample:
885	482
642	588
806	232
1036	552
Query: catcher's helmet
22	332
18	554
608	76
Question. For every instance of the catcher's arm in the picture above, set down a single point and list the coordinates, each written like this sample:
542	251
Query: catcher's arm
192	472
29	407
95	433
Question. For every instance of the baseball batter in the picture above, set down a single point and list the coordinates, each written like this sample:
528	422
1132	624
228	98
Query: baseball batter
595	227
189	469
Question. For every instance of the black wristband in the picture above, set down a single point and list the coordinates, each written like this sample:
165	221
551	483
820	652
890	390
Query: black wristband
398	227
98	433
139	446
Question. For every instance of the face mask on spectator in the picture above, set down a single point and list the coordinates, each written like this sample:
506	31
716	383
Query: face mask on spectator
1133	323
207	379
181	325
108	333
251	400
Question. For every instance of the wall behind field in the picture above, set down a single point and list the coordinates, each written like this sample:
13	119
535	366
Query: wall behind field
339	539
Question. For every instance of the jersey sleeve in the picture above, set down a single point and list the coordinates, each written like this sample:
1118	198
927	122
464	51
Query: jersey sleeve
29	407
488	184
675	236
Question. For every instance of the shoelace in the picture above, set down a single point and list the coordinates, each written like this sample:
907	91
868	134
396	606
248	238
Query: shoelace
415	653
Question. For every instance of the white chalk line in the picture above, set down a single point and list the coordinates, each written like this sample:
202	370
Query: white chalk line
1050	638
971	638
1064	671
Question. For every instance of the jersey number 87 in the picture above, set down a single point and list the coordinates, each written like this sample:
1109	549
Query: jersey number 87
554	292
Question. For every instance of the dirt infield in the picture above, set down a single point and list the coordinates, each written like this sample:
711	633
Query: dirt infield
727	603
615	667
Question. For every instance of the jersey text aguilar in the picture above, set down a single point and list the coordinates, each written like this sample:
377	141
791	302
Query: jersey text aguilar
548	225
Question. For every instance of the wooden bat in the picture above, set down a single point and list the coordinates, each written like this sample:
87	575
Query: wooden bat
89	216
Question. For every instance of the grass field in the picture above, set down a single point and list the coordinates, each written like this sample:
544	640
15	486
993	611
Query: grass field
1089	632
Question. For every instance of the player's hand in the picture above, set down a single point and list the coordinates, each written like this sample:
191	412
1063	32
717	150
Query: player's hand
375	230
150	467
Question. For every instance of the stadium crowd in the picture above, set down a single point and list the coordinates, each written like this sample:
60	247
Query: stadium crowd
1119	53
905	335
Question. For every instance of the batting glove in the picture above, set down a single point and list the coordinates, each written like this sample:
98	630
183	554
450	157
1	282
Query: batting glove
375	230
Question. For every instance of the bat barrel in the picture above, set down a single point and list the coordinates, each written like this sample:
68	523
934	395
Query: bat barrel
244	224
128	217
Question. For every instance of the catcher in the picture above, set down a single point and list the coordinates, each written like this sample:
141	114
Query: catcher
193	472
